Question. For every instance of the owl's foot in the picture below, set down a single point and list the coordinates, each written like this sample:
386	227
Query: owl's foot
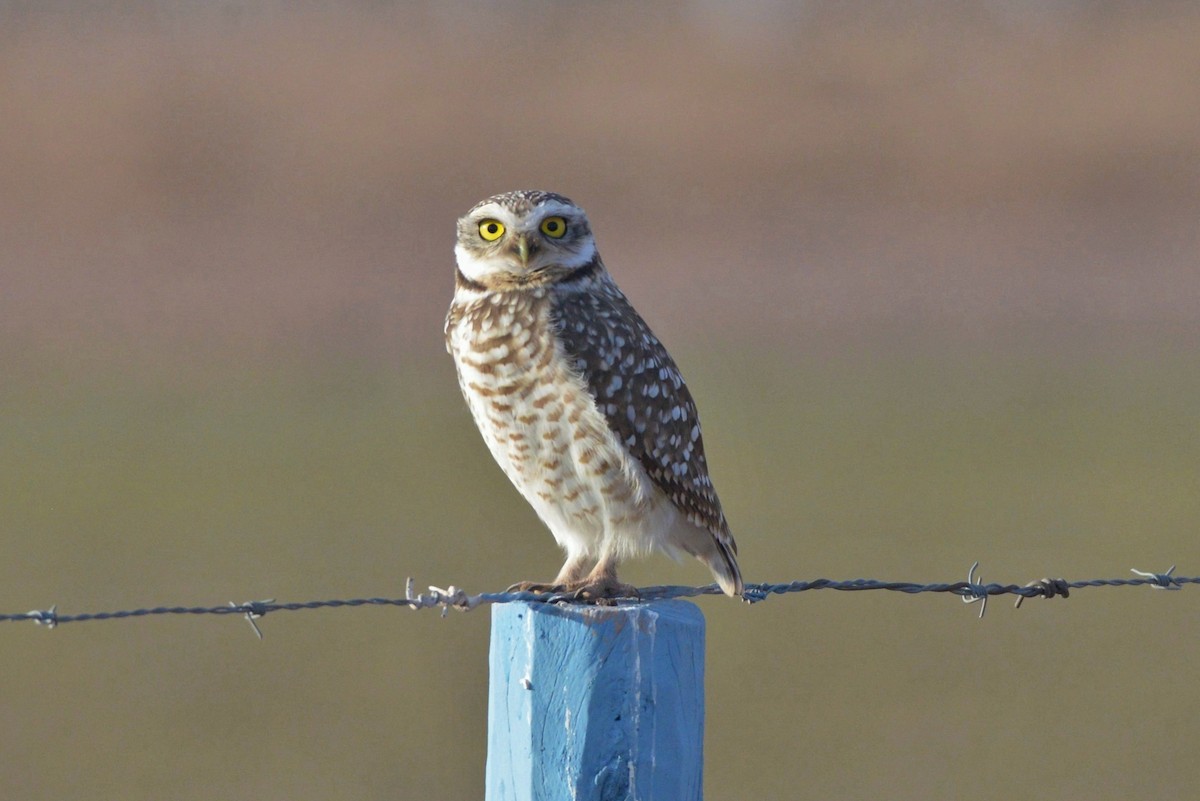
538	587
603	591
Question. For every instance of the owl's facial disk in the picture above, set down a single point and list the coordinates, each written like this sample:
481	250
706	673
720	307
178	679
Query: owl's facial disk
498	245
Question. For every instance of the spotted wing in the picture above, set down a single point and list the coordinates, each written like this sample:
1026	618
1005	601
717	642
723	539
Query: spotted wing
639	390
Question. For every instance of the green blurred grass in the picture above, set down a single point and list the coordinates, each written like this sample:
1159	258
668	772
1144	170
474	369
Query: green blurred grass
304	481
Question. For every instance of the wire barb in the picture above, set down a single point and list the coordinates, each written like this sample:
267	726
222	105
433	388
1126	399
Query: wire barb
253	610
973	592
1045	587
452	597
1160	581
44	617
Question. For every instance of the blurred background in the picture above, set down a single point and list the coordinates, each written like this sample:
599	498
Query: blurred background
929	268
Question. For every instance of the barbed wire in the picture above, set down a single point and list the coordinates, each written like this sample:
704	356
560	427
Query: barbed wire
970	591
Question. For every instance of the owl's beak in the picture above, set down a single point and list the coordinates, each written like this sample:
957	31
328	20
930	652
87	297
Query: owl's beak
524	248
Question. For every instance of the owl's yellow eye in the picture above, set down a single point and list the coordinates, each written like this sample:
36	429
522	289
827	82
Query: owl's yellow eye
491	230
554	227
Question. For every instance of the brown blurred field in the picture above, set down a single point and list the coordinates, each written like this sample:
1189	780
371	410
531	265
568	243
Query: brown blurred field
932	274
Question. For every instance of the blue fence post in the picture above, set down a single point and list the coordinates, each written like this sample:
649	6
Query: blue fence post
592	703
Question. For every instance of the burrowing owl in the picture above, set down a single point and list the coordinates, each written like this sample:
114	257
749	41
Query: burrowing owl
578	401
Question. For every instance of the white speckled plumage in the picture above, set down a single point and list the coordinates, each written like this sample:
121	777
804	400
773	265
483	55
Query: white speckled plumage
577	400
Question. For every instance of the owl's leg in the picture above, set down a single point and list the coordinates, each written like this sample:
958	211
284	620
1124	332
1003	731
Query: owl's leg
572	573
601	585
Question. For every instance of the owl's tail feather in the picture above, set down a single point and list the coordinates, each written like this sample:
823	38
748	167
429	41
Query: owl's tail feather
716	549
722	561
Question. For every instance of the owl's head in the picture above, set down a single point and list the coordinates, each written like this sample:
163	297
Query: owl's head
523	238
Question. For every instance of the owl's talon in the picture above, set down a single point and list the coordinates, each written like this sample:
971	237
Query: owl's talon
540	587
604	593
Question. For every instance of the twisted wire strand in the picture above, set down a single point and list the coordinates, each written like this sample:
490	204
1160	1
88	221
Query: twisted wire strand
970	591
